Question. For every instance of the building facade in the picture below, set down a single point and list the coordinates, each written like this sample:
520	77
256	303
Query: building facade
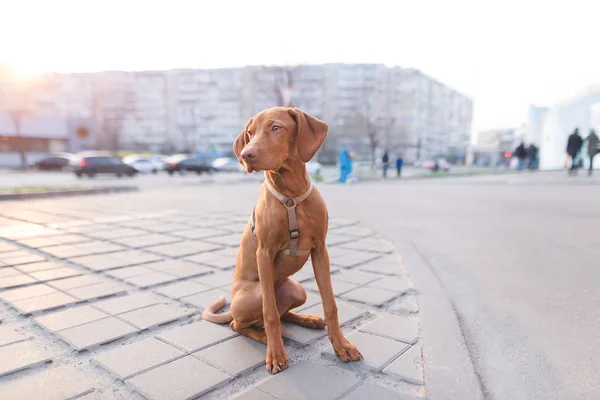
367	106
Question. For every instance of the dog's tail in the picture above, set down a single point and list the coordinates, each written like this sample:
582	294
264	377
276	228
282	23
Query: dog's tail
209	312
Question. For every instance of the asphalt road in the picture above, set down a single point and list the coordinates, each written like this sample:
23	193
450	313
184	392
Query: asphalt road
518	256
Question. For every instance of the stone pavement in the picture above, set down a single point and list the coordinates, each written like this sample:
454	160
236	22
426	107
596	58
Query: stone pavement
101	298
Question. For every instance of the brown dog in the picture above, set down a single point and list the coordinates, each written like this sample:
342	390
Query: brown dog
288	224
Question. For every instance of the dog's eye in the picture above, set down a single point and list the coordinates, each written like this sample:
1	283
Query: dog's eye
276	128
249	132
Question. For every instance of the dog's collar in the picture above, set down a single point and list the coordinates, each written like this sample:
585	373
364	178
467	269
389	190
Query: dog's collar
285	200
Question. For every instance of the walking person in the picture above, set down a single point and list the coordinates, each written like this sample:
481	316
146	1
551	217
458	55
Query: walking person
574	144
521	154
593	149
532	154
386	163
399	163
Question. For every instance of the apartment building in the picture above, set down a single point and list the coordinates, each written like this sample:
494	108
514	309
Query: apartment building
400	109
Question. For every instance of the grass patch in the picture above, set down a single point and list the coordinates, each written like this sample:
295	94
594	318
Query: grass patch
38	189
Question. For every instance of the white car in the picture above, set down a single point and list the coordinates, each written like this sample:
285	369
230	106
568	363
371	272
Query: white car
313	167
143	164
227	164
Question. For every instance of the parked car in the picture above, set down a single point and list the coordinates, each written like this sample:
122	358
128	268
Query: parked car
56	162
313	167
185	163
227	164
144	164
430	164
94	165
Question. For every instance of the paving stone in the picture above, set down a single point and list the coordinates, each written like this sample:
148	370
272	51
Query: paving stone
370	295
356	231
200	233
304	336
409	366
95	333
218	279
16	280
99	247
376	350
53	274
42	303
235	356
70	318
356	277
151	279
128	272
383	268
305	274
53	240
181	289
39	266
22	355
9	336
206	298
228	251
232	240
253	394
179	268
164	227
122	304
183	249
97	291
57	383
352	258
26	292
312	298
335	239
152	239
20	257
77	282
126	361
197	335
117	233
159	314
339	287
8	272
404	329
185	378
306	380
214	260
396	284
375	392
406	304
374	244
66	251
119	259
99	395
335	223
7	247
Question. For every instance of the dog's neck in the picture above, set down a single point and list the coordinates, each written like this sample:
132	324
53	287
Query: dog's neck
291	179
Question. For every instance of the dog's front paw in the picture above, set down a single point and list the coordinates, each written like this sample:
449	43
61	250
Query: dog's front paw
345	350
277	359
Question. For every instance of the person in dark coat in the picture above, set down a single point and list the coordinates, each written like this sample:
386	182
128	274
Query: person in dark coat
574	144
386	163
521	154
532	154
593	149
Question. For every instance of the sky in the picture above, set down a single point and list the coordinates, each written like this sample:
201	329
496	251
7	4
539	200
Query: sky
504	54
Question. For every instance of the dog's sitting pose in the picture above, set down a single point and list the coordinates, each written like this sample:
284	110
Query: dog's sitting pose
288	224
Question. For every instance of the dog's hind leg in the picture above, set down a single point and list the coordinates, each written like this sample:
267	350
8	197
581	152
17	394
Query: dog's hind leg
250	331
305	320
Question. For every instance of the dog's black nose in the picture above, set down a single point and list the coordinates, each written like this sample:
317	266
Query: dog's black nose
248	154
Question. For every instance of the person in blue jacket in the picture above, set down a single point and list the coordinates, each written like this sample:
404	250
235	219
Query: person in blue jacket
399	163
345	158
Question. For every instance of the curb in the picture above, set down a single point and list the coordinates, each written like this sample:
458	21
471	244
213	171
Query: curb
67	193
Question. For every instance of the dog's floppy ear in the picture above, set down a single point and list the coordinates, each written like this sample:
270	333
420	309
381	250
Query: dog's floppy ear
311	133
241	141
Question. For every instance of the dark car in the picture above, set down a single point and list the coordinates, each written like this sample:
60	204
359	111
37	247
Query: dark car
94	165
54	163
183	164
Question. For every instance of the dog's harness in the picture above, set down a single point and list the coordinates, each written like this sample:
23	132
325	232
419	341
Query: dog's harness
290	204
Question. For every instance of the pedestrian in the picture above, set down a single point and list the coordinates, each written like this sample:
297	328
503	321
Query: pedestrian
574	144
399	163
532	154
521	154
386	163
593	149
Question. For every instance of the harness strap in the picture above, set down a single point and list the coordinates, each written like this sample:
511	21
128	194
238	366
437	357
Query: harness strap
290	204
